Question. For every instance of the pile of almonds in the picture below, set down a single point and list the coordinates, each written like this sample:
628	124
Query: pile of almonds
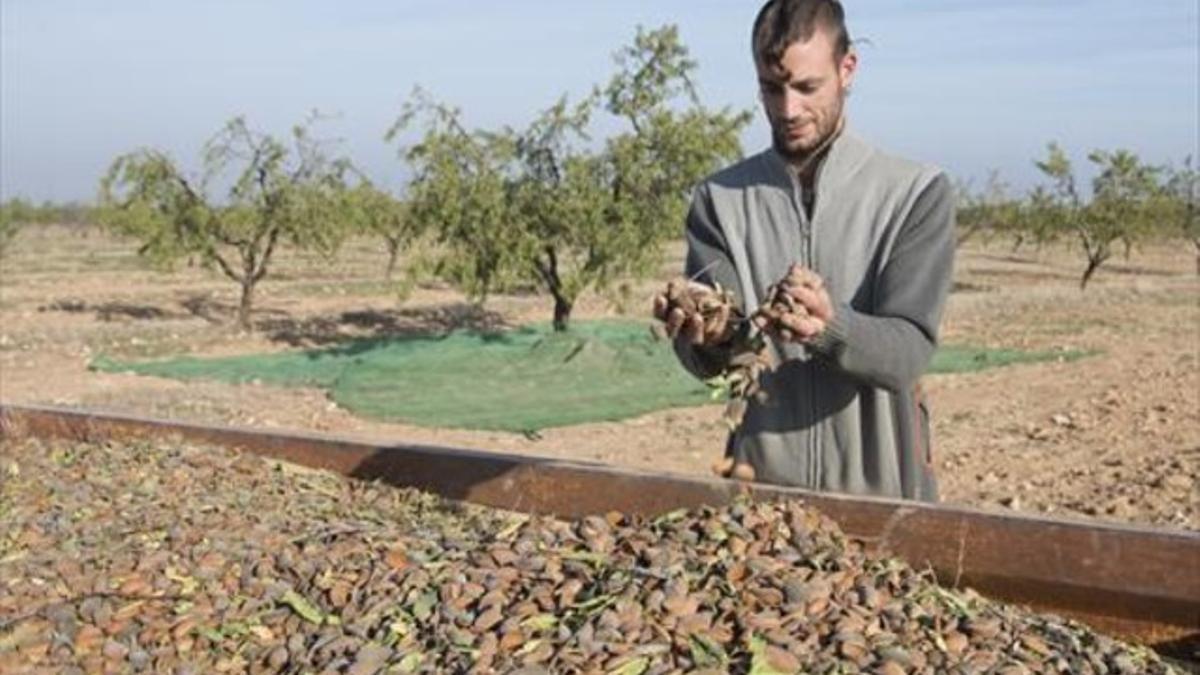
168	557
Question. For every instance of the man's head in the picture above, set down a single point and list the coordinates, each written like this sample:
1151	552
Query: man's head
805	67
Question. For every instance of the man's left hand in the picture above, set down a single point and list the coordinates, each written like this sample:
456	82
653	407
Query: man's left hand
805	318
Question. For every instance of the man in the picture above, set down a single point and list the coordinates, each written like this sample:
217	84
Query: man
872	237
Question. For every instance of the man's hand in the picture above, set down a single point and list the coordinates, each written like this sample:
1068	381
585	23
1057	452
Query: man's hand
798	307
702	315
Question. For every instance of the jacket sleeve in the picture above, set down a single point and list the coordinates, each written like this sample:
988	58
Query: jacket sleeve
891	347
709	262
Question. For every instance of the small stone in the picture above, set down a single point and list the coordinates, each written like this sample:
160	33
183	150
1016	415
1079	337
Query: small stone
115	650
782	660
890	668
139	659
278	658
369	660
955	642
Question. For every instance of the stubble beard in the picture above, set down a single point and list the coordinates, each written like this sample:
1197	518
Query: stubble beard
828	126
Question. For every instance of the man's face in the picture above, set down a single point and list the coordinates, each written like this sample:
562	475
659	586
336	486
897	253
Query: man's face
804	93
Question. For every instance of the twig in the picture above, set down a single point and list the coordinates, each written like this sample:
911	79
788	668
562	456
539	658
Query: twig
704	269
329	532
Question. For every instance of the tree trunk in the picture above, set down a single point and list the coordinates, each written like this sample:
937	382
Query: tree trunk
1094	263
964	236
393	253
1196	243
562	312
243	315
1017	241
548	271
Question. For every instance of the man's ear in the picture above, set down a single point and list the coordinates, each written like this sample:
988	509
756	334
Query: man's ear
847	69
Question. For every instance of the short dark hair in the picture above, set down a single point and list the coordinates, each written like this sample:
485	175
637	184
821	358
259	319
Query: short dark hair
782	23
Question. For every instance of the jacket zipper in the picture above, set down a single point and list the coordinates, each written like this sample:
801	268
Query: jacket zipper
806	238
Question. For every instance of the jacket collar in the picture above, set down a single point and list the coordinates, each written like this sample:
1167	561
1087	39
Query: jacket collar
844	157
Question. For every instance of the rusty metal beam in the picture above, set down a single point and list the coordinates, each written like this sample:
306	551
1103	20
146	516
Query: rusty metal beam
1134	582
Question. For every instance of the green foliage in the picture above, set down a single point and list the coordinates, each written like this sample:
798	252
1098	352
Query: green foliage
1041	218
13	214
542	205
8	232
1130	202
16	213
25	212
990	212
1122	207
379	213
1178	204
277	192
1123	197
458	191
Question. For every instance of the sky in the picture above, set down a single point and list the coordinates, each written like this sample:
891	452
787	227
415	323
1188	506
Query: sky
970	85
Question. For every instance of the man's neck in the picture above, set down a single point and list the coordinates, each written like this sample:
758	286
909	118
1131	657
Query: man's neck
805	168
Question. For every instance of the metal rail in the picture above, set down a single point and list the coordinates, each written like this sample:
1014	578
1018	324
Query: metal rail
1133	582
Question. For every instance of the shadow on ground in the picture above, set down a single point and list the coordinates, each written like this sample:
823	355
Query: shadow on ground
370	324
302	331
112	311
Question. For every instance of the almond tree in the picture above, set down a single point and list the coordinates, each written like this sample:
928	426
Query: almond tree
988	212
459	192
1180	204
1120	209
278	193
545	206
380	213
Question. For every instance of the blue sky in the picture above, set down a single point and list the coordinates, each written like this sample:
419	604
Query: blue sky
967	84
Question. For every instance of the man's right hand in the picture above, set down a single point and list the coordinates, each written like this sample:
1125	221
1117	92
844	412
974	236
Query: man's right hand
702	315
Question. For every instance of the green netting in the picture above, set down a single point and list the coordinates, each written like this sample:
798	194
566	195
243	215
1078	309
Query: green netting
525	379
963	359
520	380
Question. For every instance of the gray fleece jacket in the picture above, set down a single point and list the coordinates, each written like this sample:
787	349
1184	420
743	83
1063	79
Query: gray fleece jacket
847	414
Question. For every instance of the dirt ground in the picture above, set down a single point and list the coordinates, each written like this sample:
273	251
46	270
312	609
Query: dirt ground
1115	435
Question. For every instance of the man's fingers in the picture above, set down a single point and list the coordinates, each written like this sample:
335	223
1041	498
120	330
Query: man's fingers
716	329
802	276
695	329
675	319
812	280
694	311
802	327
660	307
816	301
811	327
790	323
